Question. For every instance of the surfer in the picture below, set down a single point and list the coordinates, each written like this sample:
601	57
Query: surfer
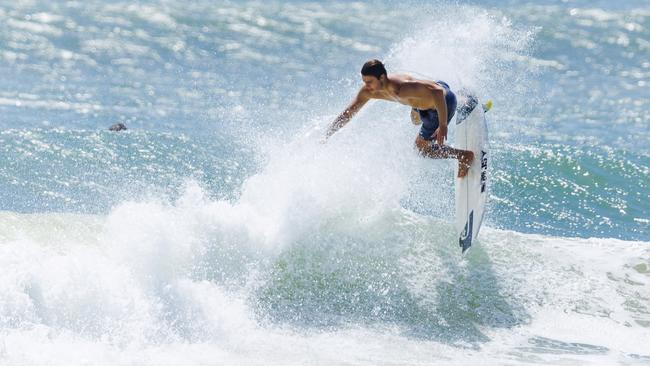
432	104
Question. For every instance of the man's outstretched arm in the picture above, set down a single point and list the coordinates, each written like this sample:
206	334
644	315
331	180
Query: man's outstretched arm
349	112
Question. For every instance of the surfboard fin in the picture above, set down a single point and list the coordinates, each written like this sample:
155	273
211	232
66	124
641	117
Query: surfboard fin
487	105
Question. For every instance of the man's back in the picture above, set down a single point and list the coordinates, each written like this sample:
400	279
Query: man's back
404	89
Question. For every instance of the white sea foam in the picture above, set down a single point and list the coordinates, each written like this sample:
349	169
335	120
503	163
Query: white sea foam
129	290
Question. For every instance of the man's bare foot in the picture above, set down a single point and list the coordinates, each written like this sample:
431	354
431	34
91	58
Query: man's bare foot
464	162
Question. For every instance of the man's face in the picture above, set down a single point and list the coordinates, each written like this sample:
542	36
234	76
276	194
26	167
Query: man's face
371	83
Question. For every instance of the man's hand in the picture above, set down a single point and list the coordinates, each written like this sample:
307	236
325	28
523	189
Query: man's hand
441	134
415	117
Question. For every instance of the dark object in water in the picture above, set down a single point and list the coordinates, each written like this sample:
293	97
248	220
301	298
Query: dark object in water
117	127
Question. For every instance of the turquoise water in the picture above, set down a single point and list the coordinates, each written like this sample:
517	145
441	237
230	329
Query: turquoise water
217	229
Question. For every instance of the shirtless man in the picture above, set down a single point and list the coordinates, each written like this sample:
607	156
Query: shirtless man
433	104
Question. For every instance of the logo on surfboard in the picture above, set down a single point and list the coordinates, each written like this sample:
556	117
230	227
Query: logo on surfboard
465	240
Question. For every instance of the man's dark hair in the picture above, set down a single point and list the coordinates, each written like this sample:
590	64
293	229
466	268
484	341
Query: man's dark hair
373	68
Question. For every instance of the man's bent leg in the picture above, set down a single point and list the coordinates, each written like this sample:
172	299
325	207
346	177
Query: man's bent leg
465	157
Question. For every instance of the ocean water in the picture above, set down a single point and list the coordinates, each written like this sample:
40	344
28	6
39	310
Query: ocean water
217	230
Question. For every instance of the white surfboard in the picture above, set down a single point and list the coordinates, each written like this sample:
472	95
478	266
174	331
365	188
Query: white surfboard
471	190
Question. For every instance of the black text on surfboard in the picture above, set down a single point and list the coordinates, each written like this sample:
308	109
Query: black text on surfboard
484	162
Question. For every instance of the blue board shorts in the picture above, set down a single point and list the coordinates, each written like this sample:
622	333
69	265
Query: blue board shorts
429	117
